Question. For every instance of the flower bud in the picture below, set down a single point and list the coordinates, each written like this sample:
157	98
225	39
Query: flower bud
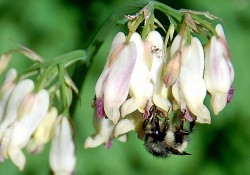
174	64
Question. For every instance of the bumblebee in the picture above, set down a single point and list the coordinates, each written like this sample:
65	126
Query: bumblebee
163	139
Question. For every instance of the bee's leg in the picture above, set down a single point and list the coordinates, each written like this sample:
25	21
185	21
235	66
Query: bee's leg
181	127
191	125
152	111
151	124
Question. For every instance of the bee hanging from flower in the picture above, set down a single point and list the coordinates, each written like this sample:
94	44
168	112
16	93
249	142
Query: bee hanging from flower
161	138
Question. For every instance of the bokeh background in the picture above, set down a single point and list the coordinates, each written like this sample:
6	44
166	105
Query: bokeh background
53	27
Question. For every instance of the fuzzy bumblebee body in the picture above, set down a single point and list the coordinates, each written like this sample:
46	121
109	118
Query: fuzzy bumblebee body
162	139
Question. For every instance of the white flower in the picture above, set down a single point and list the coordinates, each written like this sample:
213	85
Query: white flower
31	112
17	95
146	84
6	89
141	89
190	90
62	153
113	84
159	59
219	72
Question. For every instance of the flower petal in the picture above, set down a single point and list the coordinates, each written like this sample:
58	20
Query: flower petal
191	81
219	72
117	42
117	82
156	71
104	128
126	125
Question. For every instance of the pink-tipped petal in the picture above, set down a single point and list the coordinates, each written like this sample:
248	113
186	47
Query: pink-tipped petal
117	83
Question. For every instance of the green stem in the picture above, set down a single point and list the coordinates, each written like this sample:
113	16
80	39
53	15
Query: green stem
135	26
62	59
62	87
147	27
115	19
167	10
44	75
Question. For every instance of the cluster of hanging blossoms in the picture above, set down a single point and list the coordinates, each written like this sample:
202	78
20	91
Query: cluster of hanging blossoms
34	109
154	81
169	69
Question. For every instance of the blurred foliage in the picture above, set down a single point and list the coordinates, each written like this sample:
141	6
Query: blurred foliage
54	27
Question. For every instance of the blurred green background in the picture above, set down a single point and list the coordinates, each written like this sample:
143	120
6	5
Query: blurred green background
54	27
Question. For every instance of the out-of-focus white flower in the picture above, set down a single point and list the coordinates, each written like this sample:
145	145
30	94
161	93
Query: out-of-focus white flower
190	90
31	112
62	153
219	72
113	84
6	89
17	95
4	61
44	131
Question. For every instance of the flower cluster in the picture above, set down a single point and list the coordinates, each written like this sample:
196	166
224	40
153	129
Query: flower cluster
29	117
174	74
154	82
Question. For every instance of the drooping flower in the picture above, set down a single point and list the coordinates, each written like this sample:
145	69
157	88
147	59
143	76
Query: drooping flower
113	84
219	72
17	95
31	112
62	157
146	84
190	90
140	89
160	97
